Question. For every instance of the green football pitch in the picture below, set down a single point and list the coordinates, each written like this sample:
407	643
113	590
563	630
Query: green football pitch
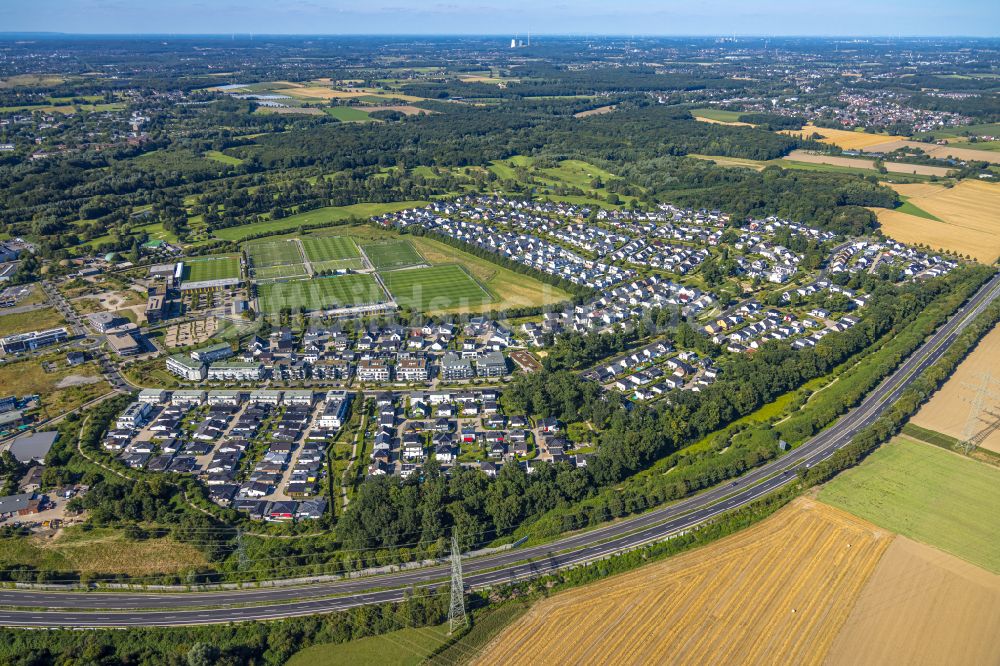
320	293
392	254
274	253
332	252
436	288
213	267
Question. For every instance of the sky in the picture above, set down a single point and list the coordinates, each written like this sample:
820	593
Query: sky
508	17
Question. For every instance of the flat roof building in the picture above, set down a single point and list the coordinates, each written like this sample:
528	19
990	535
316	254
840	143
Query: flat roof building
184	366
14	344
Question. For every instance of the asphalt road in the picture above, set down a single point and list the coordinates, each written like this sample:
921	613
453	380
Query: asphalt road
101	609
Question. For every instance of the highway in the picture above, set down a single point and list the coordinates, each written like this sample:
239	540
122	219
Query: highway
34	608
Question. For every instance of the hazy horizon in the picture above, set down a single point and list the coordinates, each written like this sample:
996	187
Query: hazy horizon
648	18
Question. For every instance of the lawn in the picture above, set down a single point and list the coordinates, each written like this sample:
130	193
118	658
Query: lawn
578	173
928	494
279	272
435	288
404	647
332	252
314	217
33	320
717	114
214	267
330	248
217	156
321	293
348	114
514	289
392	254
274	253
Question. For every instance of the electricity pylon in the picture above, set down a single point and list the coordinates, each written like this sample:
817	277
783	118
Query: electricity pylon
973	435
456	612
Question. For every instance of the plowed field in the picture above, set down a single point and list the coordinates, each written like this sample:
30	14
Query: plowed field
922	606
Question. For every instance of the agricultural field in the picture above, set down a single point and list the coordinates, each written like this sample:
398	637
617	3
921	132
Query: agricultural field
348	114
405	647
281	110
977	145
32	80
967	219
777	592
331	252
214	267
392	254
928	494
846	139
405	109
951	407
32	320
599	111
718	116
858	163
435	289
831	165
922	606
941	152
320	293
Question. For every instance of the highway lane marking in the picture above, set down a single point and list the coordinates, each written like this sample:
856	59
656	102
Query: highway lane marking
826	445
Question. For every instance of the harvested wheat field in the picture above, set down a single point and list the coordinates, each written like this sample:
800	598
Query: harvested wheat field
911	190
601	110
846	139
859	163
318	92
778	592
949	409
713	121
969	214
405	109
936	151
922	606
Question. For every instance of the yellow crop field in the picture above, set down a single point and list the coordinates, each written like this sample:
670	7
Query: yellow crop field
949	409
939	152
922	606
318	92
778	592
969	214
860	163
846	139
713	121
321	92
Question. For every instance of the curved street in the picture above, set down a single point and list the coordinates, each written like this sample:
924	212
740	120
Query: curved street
33	608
